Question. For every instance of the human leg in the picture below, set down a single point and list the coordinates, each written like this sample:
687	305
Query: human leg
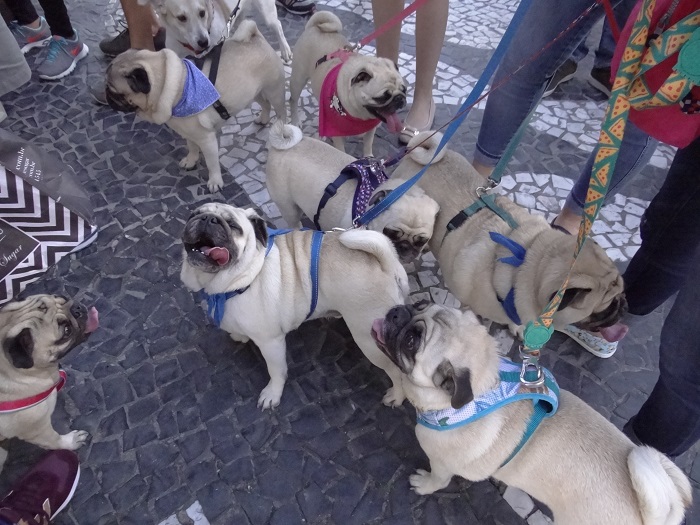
56	15
142	24
388	42
636	150
14	70
508	105
24	12
28	29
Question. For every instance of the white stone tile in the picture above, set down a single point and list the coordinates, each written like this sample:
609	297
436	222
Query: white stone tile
539	519
427	279
519	501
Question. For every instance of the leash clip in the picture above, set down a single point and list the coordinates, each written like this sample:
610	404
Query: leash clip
530	364
351	48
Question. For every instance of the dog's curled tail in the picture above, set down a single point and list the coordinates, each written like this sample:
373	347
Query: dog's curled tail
378	245
423	146
326	22
284	136
662	488
246	31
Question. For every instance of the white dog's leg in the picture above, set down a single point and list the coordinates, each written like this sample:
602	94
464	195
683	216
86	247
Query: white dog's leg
424	482
368	143
275	353
46	437
297	81
268	11
210	148
360	328
291	213
276	98
190	161
239	338
264	115
339	143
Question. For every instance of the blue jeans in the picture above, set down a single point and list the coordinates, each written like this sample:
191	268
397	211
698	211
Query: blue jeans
666	262
636	150
606	45
507	106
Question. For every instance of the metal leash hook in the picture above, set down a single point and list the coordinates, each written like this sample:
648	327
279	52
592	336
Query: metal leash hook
531	365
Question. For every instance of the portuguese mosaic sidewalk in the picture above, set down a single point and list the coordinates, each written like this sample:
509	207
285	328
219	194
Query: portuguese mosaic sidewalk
170	401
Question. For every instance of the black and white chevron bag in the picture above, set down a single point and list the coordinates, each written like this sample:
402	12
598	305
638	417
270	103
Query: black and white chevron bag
44	213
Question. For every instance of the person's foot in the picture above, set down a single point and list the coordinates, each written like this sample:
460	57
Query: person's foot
113	46
418	119
61	57
600	79
565	73
297	7
593	342
29	38
44	491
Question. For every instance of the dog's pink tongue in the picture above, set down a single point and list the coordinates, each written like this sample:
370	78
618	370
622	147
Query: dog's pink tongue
377	327
93	320
393	122
220	255
614	333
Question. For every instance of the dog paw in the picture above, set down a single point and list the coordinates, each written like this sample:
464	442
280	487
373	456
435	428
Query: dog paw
262	119
422	482
270	396
240	338
286	55
188	162
295	119
215	184
76	439
394	397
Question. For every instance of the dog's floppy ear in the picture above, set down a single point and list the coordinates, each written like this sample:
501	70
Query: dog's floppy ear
572	294
457	383
20	349
362	76
138	80
259	227
379	197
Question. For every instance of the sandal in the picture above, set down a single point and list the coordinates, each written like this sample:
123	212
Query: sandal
408	132
596	345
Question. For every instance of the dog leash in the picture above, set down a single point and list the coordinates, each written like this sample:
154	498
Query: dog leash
28	402
629	90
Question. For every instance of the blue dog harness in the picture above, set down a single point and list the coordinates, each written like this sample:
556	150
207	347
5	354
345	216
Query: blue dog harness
515	260
369	173
509	390
216	303
198	93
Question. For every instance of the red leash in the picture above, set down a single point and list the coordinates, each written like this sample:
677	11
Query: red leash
21	404
396	19
611	19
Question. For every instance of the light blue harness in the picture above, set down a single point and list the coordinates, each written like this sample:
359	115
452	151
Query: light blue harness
509	390
216	303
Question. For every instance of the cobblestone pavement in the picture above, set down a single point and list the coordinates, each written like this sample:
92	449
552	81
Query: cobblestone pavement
170	401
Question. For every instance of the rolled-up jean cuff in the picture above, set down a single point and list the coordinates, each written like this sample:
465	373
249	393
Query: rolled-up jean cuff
485	159
572	205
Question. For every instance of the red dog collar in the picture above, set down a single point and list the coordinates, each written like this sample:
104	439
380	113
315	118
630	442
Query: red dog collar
21	404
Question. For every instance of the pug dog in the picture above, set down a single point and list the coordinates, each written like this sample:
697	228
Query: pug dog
35	334
576	462
368	88
195	26
300	168
225	249
151	84
471	261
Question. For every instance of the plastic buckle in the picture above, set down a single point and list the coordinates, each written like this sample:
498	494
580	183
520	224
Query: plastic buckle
531	364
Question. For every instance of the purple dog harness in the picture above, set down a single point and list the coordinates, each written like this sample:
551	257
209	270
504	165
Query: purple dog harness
369	173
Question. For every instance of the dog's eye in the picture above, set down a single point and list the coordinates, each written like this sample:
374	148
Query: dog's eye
421	305
202	13
67	329
182	18
43	308
421	240
412	337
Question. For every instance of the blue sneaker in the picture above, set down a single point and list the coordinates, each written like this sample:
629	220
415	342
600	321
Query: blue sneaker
29	38
62	56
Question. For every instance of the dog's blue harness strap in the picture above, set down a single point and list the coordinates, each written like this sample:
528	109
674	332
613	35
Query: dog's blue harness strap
463	112
484	201
509	390
516	260
313	270
216	304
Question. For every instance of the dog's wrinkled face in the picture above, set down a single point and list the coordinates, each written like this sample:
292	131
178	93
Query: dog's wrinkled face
446	354
41	329
190	22
128	84
374	84
408	222
216	236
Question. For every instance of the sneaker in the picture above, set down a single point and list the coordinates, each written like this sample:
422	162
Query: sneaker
29	38
62	56
596	345
297	7
565	73
600	79
99	93
44	491
113	46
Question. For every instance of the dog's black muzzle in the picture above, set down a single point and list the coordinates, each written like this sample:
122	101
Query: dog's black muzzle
118	102
608	317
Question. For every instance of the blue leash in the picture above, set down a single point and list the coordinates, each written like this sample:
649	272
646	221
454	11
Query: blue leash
489	70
